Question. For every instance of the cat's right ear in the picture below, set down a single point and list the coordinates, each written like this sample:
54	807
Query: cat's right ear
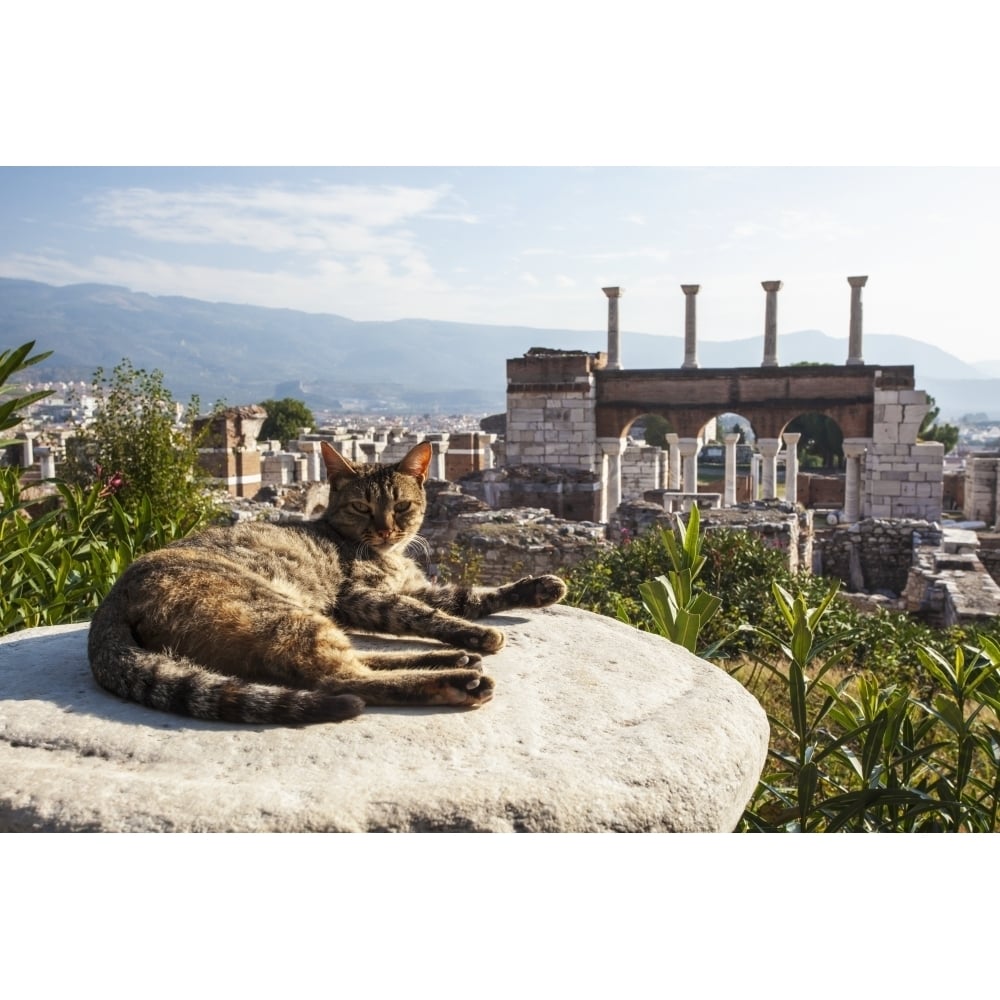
417	461
337	467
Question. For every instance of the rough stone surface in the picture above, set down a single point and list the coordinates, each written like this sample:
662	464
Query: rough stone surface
594	727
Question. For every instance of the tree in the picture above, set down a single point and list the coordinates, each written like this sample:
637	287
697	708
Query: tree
285	419
931	430
140	449
656	429
821	437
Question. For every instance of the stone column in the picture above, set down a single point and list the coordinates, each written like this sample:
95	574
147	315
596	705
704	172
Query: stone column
854	448
754	476
690	326
674	465
771	324
791	467
611	475
46	462
28	449
439	447
664	473
488	442
729	496
372	450
614	339
854	343
689	448
316	470
769	458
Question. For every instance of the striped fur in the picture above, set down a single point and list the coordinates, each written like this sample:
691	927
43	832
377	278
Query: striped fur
247	623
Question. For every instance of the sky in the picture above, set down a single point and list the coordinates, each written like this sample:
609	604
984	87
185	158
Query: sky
531	246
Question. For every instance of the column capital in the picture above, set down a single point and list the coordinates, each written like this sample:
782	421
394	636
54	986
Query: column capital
672	438
689	447
768	447
612	446
690	289
771	286
855	447
732	439
858	281
614	292
791	438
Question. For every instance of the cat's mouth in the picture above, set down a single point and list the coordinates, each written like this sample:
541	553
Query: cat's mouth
382	542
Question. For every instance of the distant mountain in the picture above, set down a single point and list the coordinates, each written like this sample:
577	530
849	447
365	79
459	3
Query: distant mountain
992	368
248	353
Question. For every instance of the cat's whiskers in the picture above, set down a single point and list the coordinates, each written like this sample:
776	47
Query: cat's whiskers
418	545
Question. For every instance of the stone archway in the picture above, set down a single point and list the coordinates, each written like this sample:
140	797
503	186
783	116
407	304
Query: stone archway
566	408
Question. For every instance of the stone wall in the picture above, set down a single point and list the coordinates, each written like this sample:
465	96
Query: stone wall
550	409
902	478
570	493
643	467
228	448
948	584
492	547
826	492
873	554
982	485
989	553
469	452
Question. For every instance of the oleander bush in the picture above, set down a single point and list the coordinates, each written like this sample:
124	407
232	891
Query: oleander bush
61	553
59	559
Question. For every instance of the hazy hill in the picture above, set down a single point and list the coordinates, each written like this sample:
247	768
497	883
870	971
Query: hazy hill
248	353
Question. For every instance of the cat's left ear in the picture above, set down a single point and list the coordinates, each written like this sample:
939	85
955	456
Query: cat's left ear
417	461
337	467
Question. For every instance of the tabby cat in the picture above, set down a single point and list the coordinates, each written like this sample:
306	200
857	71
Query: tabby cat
245	623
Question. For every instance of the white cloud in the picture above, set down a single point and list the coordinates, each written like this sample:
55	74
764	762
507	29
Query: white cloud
335	248
336	218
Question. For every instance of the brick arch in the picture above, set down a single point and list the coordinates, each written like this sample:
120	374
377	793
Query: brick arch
769	398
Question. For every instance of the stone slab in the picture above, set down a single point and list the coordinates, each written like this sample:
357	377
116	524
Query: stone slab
594	727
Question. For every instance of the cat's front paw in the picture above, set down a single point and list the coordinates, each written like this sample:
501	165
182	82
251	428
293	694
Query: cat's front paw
540	591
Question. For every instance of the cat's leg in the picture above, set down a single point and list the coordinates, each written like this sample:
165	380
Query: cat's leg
399	614
436	660
478	602
470	687
306	650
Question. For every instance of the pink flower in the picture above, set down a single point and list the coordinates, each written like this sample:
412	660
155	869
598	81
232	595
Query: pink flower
112	484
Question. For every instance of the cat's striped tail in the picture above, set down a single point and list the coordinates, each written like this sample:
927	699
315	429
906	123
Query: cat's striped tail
177	684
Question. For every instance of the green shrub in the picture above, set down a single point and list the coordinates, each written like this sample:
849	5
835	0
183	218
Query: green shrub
60	555
136	443
862	755
57	566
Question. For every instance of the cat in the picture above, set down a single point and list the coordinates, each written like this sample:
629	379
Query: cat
246	623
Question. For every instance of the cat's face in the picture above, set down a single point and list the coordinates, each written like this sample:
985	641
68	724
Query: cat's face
378	505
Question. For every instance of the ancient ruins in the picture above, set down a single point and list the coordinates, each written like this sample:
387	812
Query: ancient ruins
560	472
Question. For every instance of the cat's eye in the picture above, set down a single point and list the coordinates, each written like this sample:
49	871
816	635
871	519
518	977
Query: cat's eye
359	507
403	506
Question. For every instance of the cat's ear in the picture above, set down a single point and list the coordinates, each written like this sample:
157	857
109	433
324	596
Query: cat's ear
337	467
417	461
